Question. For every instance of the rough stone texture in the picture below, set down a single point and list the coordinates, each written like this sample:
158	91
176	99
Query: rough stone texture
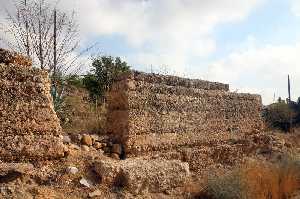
138	175
173	81
29	127
23	168
7	57
12	171
164	115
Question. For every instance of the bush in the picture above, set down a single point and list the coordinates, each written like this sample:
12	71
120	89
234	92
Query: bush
230	186
257	180
280	115
74	80
104	71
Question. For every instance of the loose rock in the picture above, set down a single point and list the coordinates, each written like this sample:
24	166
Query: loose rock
87	140
97	145
74	146
95	138
95	193
72	170
85	183
66	139
85	148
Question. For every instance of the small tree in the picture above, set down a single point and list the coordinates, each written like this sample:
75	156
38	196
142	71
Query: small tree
49	36
44	33
104	71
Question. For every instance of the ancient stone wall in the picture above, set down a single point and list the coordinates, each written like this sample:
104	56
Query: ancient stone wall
154	114
29	127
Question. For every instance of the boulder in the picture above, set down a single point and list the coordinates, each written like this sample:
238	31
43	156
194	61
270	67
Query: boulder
72	170
66	139
138	175
87	140
97	145
85	148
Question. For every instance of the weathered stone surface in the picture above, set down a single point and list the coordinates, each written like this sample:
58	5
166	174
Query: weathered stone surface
12	171
108	170
15	167
95	193
138	175
97	145
85	148
7	57
66	139
72	170
150	113
29	127
140	78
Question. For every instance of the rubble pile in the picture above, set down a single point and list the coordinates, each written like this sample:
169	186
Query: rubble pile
29	127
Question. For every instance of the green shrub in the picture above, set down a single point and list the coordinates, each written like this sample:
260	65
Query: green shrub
104	71
74	80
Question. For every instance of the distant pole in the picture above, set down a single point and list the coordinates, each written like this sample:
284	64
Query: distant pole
55	45
289	102
289	88
54	52
40	38
27	27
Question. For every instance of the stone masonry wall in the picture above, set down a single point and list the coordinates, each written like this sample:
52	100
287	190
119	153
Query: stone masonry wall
153	114
29	127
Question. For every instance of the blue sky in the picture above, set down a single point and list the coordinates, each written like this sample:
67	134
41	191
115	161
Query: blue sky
252	44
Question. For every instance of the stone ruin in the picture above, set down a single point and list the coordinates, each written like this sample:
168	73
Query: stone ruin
29	127
177	118
165	125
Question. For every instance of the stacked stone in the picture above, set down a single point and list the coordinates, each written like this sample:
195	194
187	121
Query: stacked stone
7	57
29	127
155	114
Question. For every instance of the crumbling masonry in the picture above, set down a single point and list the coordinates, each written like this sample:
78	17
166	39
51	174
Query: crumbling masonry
29	127
155	115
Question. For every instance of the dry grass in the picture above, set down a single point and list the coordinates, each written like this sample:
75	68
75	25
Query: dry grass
82	115
257	180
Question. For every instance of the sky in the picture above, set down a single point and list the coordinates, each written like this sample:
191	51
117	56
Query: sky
250	44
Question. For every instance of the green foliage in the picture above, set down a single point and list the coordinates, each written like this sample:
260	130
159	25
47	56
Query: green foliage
57	93
93	86
104	71
74	80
